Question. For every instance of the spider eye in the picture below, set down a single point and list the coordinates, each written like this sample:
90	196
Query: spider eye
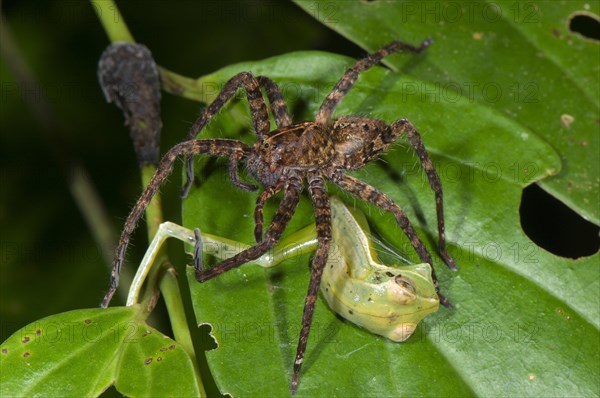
266	144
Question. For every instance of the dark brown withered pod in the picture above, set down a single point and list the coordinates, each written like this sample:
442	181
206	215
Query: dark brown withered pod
283	159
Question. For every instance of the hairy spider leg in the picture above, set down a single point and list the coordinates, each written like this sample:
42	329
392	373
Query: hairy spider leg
260	203
278	107
404	127
280	220
215	147
349	78
370	194
320	201
258	112
283	119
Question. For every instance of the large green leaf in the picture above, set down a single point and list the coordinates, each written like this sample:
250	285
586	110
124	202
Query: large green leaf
524	318
82	352
519	58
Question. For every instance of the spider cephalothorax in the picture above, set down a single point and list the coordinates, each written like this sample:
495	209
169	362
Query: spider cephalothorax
286	159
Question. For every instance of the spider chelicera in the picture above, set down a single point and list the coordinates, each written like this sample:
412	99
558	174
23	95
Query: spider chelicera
283	159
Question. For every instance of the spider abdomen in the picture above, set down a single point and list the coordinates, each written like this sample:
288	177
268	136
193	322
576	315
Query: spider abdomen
359	140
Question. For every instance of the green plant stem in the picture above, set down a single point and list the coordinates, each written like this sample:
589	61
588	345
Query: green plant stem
154	218
161	276
176	310
183	86
112	21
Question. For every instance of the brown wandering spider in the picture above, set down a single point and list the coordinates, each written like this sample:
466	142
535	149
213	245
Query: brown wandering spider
283	159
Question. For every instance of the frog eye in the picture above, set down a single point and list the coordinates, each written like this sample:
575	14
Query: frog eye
405	284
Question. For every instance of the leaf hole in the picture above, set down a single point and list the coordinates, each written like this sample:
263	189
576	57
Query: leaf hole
207	340
585	24
555	227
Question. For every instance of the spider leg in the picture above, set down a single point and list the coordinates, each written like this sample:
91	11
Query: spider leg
278	106
368	193
258	111
401	127
320	200
280	220
349	78
260	203
216	147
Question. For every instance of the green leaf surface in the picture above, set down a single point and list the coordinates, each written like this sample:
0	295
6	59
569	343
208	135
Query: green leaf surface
519	58
83	352
524	318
